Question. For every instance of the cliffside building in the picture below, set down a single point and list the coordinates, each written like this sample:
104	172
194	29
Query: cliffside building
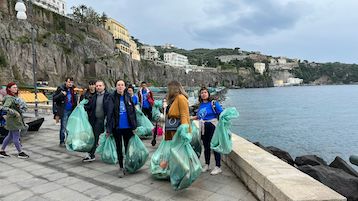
149	53
175	59
294	81
57	6
168	46
260	67
123	40
228	58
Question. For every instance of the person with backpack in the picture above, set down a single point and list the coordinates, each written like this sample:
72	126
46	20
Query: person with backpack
208	115
146	100
14	107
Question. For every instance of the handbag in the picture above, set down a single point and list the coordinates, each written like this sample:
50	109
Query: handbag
172	124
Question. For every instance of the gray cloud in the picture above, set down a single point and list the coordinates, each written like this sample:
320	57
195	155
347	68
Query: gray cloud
245	17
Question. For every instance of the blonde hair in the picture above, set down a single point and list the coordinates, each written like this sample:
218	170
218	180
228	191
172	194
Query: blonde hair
174	89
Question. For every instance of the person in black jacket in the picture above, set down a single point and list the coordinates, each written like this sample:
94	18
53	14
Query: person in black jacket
97	111
90	91
65	99
121	120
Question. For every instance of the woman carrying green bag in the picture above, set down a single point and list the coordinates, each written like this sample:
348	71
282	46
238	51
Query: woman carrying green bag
121	120
208	113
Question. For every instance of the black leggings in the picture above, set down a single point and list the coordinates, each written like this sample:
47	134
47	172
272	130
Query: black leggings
208	134
120	134
147	112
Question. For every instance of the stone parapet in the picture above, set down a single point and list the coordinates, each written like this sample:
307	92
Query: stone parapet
270	179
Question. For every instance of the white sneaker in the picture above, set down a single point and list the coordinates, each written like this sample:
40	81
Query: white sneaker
216	171
205	168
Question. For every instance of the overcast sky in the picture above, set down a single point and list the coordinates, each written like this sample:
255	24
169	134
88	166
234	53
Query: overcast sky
315	30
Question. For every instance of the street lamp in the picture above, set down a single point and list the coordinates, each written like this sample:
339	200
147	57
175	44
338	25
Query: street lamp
21	15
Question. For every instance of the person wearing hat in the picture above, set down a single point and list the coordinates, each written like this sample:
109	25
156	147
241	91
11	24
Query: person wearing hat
14	108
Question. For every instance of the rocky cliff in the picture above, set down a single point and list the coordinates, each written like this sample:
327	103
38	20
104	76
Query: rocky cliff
67	48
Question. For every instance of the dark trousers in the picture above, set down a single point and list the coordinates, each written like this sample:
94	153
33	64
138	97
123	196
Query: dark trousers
147	112
119	135
98	129
208	134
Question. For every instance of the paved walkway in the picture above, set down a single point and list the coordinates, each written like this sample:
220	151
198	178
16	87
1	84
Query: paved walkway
53	173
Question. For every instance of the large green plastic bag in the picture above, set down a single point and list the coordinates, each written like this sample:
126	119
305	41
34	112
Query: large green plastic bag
79	131
184	164
145	126
136	155
159	164
107	149
196	139
221	141
156	110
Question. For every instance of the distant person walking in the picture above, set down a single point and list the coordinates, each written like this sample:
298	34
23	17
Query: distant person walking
97	111
121	120
14	108
146	100
130	90
208	114
65	99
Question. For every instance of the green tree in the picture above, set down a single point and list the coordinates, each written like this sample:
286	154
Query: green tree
84	14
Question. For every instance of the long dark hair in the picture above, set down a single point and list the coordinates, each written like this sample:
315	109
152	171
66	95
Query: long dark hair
199	94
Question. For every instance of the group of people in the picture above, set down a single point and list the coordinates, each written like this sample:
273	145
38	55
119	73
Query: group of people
115	114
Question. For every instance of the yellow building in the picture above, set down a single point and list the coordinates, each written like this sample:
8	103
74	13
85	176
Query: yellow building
122	38
134	50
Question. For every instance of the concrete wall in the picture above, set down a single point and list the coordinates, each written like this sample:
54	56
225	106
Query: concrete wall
271	179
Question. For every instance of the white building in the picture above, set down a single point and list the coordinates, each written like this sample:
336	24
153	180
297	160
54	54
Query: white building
175	59
260	67
168	46
149	53
282	60
58	6
294	81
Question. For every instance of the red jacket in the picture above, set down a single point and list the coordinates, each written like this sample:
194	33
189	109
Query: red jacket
149	97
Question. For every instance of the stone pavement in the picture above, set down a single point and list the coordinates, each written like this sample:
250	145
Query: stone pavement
53	173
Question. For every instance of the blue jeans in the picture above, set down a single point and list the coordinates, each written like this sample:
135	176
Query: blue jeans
64	120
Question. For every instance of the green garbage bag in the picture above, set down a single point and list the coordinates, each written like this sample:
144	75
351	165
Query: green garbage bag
156	110
184	164
79	131
145	126
107	149
136	155
221	141
159	163
196	139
